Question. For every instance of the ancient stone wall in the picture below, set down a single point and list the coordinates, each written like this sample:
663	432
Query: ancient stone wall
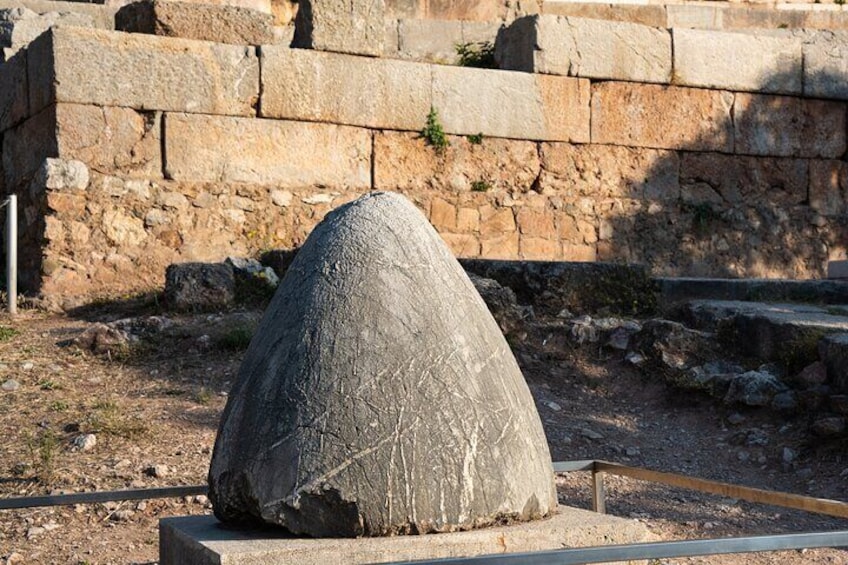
132	151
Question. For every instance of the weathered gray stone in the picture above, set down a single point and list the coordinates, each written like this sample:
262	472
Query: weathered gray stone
91	66
343	26
200	540
511	104
191	20
328	87
14	105
502	303
61	174
433	41
826	66
829	426
199	286
694	16
379	396
754	388
738	61
833	351
19	26
586	48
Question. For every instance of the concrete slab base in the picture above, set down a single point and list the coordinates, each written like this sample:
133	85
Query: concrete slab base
202	540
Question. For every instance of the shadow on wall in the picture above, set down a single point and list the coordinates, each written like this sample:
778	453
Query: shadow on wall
762	194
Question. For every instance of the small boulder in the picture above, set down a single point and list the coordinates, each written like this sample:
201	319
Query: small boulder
85	442
102	339
754	388
829	426
502	304
199	286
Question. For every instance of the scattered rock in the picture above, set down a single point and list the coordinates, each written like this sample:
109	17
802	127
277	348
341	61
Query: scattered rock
201	499
157	471
632	451
123	515
812	375
28	366
34	531
673	345
502	304
829	426
789	455
753	388
102	339
10	385
85	442
252	278
589	433
634	358
199	286
736	418
552	405
786	402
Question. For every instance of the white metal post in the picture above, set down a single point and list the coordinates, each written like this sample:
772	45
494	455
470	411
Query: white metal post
12	253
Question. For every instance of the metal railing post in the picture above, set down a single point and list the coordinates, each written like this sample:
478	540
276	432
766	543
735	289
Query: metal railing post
12	253
599	504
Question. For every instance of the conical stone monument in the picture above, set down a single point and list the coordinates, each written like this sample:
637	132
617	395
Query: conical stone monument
378	396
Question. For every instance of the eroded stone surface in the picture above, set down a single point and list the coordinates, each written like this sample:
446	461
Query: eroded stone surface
379	396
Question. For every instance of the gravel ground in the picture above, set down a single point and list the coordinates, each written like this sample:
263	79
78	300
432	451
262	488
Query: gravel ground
153	408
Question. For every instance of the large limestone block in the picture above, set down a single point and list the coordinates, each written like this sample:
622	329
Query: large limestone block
110	140
379	396
91	66
738	60
102	15
736	179
695	16
14	104
19	26
586	48
609	171
208	22
511	104
327	87
649	15
788	126
356	27
27	145
663	117
826	66
218	148
429	40
403	161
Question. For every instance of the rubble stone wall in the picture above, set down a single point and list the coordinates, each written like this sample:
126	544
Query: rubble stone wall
130	152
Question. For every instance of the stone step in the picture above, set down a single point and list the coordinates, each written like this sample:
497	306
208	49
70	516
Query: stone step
708	15
674	291
787	333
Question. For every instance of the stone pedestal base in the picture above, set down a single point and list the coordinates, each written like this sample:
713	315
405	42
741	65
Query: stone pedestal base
202	540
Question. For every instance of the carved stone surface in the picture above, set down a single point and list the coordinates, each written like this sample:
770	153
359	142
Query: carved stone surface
378	396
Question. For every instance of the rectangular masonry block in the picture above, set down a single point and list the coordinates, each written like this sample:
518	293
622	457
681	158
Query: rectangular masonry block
662	117
737	179
14	102
301	84
356	27
610	171
738	60
826	66
110	140
291	154
19	27
90	66
788	126
586	48
208	22
103	16
695	16
511	104
429	40
404	162
654	16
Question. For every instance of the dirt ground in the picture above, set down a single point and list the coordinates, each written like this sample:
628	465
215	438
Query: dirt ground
153	408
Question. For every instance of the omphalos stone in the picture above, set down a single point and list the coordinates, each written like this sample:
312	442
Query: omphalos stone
378	396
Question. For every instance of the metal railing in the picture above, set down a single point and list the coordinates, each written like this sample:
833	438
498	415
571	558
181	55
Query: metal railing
11	204
599	554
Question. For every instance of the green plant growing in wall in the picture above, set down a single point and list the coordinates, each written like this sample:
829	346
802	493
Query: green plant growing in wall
433	132
475	139
480	186
480	55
